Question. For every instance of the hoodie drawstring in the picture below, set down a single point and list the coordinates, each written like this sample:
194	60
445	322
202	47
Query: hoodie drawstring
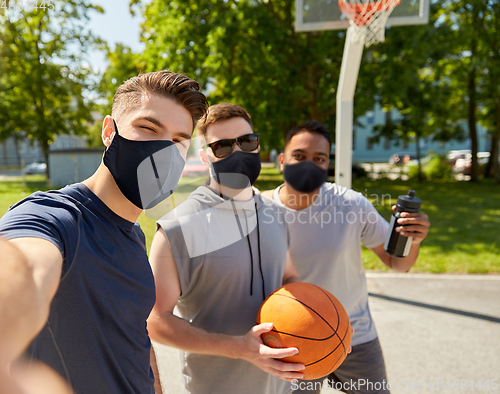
251	253
250	245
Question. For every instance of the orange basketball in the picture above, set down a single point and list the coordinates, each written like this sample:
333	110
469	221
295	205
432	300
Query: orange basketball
311	319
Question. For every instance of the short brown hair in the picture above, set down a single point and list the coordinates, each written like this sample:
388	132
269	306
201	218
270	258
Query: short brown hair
218	112
178	87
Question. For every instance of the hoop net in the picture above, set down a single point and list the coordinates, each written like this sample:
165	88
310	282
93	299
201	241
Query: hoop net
368	18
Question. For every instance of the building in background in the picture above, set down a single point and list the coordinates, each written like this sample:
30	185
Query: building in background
366	151
13	153
68	166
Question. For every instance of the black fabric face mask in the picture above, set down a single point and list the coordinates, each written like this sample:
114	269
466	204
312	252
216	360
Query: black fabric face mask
237	171
305	177
146	172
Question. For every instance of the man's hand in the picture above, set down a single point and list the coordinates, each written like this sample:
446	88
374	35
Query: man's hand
416	225
252	349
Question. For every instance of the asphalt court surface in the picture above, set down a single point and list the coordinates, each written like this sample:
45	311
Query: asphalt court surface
439	333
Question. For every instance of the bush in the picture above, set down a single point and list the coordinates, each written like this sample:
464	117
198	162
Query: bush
434	166
413	170
438	167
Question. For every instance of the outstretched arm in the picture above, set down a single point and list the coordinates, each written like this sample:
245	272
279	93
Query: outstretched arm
29	277
165	328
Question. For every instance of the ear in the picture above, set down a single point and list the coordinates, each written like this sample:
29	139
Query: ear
108	130
204	157
281	159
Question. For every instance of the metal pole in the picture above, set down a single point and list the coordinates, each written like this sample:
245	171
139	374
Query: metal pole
23	176
351	60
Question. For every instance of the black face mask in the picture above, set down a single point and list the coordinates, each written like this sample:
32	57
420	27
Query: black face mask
146	172
237	171
305	177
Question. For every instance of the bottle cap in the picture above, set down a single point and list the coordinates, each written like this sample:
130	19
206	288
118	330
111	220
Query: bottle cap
409	202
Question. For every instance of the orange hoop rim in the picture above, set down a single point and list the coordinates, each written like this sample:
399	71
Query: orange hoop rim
360	10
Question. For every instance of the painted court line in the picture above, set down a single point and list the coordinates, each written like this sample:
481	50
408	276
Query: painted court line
490	318
392	275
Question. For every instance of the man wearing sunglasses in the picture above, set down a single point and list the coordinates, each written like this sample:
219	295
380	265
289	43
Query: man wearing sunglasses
216	257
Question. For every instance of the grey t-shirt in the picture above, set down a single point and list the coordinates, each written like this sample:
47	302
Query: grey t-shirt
325	246
221	281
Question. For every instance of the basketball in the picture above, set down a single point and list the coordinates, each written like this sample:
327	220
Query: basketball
311	319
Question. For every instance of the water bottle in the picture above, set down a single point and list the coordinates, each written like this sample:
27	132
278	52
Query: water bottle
396	244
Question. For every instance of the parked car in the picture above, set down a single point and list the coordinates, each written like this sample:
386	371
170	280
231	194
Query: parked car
414	162
454	155
195	167
401	158
35	168
463	163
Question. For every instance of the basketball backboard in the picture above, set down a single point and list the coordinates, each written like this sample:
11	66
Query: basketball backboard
314	15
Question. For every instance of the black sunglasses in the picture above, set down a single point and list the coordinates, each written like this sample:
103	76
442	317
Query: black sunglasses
223	148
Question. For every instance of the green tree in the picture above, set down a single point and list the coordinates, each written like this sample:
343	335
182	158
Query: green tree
407	78
474	65
44	81
123	64
94	138
248	52
462	66
489	83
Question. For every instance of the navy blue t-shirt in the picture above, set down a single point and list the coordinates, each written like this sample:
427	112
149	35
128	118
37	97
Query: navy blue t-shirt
96	335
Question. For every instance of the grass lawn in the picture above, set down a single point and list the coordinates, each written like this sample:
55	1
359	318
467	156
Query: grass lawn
13	191
465	217
465	223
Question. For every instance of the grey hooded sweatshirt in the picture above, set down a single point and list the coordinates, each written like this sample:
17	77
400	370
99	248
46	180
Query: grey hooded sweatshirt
224	279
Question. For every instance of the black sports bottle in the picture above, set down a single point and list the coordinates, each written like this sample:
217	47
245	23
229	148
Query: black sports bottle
396	244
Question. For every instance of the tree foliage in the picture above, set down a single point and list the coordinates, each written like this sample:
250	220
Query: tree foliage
248	52
407	78
123	64
43	79
441	77
487	27
473	66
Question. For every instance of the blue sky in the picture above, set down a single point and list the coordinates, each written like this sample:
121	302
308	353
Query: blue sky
115	25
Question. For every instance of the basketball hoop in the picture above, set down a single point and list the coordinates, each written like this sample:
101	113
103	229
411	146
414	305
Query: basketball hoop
368	18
